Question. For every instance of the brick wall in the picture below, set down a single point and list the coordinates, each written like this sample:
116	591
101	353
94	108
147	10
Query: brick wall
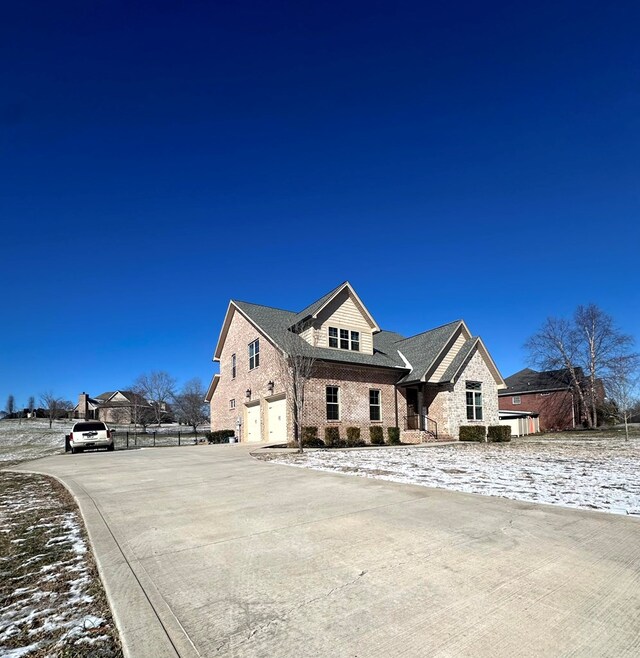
476	370
555	408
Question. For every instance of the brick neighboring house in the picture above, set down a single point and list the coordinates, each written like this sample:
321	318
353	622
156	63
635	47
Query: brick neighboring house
427	385
548	393
123	407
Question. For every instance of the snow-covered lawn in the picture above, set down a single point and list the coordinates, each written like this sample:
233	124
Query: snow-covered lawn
51	599
598	474
30	438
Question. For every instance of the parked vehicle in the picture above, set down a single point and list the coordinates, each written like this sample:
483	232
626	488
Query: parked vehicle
90	434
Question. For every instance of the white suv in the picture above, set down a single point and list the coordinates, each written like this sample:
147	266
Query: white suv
90	434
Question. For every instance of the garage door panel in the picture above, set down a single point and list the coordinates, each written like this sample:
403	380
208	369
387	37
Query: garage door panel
277	417
253	426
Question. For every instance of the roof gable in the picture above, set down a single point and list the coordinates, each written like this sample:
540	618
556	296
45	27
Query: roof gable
314	310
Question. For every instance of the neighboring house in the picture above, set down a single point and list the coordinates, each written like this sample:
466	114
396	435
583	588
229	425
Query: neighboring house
428	385
123	407
549	394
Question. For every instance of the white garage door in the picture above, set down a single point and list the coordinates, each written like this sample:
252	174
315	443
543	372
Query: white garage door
252	427
277	420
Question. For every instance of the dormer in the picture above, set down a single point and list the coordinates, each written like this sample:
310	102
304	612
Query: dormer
338	321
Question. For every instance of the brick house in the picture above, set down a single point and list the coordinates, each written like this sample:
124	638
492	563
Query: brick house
549	394
122	407
427	385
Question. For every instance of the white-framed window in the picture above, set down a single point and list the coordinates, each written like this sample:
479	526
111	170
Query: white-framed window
474	400
516	399
232	404
233	366
254	354
333	403
375	409
544	395
344	339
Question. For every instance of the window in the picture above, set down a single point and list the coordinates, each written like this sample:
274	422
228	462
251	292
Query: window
254	354
333	403
333	337
355	341
374	405
232	404
344	339
516	399
474	400
233	366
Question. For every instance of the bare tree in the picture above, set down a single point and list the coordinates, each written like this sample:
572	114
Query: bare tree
622	387
587	348
11	405
555	347
31	405
296	364
54	406
603	347
191	406
141	412
158	388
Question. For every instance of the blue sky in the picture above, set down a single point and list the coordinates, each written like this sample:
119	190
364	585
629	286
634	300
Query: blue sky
474	160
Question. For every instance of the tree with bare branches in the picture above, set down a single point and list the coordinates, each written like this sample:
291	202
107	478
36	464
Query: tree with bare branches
11	405
190	405
588	347
54	406
622	387
158	388
296	364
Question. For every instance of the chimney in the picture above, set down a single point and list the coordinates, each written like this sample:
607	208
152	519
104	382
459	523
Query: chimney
83	405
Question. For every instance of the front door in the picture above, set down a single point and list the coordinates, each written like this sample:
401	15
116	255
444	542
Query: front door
413	418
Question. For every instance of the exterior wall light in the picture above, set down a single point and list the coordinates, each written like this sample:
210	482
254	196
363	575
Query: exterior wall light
248	393
270	386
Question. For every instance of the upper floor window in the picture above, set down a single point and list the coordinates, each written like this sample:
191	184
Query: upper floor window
254	354
474	400
232	404
374	405
233	366
344	339
333	403
516	399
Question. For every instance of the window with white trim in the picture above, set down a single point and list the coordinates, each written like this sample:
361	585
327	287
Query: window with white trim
233	366
333	403
474	400
375	410
254	354
516	399
232	404
344	339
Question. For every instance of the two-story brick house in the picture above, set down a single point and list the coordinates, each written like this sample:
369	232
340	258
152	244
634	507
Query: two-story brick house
427	385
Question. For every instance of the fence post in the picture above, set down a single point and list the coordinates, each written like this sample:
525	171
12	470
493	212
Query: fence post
127	439
154	439
178	437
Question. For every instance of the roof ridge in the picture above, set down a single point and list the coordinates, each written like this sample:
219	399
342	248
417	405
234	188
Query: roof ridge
422	333
275	308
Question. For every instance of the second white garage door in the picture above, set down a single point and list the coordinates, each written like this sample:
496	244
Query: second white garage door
253	427
277	418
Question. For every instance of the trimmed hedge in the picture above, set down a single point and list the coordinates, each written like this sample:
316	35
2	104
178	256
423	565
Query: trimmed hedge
499	433
393	436
353	438
332	437
473	433
219	436
309	433
376	435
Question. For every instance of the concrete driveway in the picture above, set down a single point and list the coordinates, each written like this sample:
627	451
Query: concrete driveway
206	551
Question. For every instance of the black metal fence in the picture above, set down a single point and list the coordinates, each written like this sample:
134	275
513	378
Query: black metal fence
125	439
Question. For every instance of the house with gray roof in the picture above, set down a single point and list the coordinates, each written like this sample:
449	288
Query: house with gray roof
428	385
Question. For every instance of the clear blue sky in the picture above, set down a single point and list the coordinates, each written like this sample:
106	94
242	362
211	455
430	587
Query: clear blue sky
475	160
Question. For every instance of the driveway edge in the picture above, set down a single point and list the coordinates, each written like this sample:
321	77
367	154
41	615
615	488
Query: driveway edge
145	622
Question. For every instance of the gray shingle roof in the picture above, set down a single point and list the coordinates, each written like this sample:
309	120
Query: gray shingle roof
318	304
528	380
459	359
422	350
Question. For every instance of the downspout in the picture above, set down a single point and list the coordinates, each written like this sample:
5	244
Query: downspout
395	395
